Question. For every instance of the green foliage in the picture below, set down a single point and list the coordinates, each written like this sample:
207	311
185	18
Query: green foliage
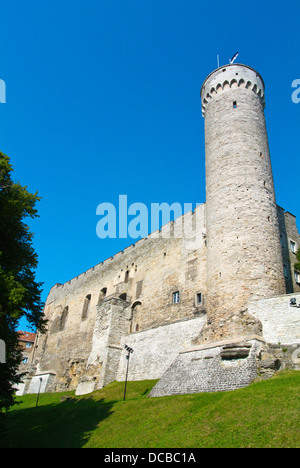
297	265
20	294
265	414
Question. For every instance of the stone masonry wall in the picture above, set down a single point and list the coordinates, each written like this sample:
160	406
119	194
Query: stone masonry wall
280	321
290	243
219	367
146	275
156	349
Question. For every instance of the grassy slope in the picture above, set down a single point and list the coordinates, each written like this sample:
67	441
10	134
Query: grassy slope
265	414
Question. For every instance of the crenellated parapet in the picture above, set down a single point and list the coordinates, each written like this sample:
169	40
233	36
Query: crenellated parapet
231	77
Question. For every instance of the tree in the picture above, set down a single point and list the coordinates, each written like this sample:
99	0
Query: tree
297	265
20	294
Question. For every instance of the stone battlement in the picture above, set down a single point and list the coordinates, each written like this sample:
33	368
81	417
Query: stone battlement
231	77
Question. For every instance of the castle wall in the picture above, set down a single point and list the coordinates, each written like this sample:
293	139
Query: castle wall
213	368
154	296
148	273
280	320
156	349
290	243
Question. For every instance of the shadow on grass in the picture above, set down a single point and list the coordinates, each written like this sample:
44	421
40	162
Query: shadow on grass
67	424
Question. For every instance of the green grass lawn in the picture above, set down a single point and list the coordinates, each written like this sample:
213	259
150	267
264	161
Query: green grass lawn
265	414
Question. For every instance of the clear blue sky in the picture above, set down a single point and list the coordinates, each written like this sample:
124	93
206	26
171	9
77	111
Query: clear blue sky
103	99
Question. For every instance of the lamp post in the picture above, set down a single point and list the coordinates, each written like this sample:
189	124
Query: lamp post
129	351
41	380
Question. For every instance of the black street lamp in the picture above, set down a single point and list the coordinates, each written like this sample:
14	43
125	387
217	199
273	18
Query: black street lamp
129	351
41	380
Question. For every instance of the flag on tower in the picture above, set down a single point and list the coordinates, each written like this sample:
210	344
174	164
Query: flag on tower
234	57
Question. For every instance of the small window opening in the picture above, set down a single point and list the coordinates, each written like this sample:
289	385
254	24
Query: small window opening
176	297
63	318
123	297
86	307
198	298
102	294
234	105
126	276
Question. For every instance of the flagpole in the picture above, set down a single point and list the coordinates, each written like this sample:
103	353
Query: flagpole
233	58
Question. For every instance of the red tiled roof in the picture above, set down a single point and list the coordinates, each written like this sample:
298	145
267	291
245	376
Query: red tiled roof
26	336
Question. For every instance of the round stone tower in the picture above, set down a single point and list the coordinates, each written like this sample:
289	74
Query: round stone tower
244	258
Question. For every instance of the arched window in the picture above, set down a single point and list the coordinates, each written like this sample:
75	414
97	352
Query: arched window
86	307
102	294
63	318
126	276
123	296
136	313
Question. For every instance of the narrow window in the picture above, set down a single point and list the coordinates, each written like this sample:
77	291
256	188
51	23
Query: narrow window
297	277
198	298
135	317
86	307
234	105
176	297
102	294
63	318
293	246
126	276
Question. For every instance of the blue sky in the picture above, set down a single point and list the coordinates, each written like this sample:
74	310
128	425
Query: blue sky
103	99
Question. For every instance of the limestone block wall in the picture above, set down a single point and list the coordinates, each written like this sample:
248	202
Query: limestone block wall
41	383
145	276
290	243
156	349
111	324
280	321
217	367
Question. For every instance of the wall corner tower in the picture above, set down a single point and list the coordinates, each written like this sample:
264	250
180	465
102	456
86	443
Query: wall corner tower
244	258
